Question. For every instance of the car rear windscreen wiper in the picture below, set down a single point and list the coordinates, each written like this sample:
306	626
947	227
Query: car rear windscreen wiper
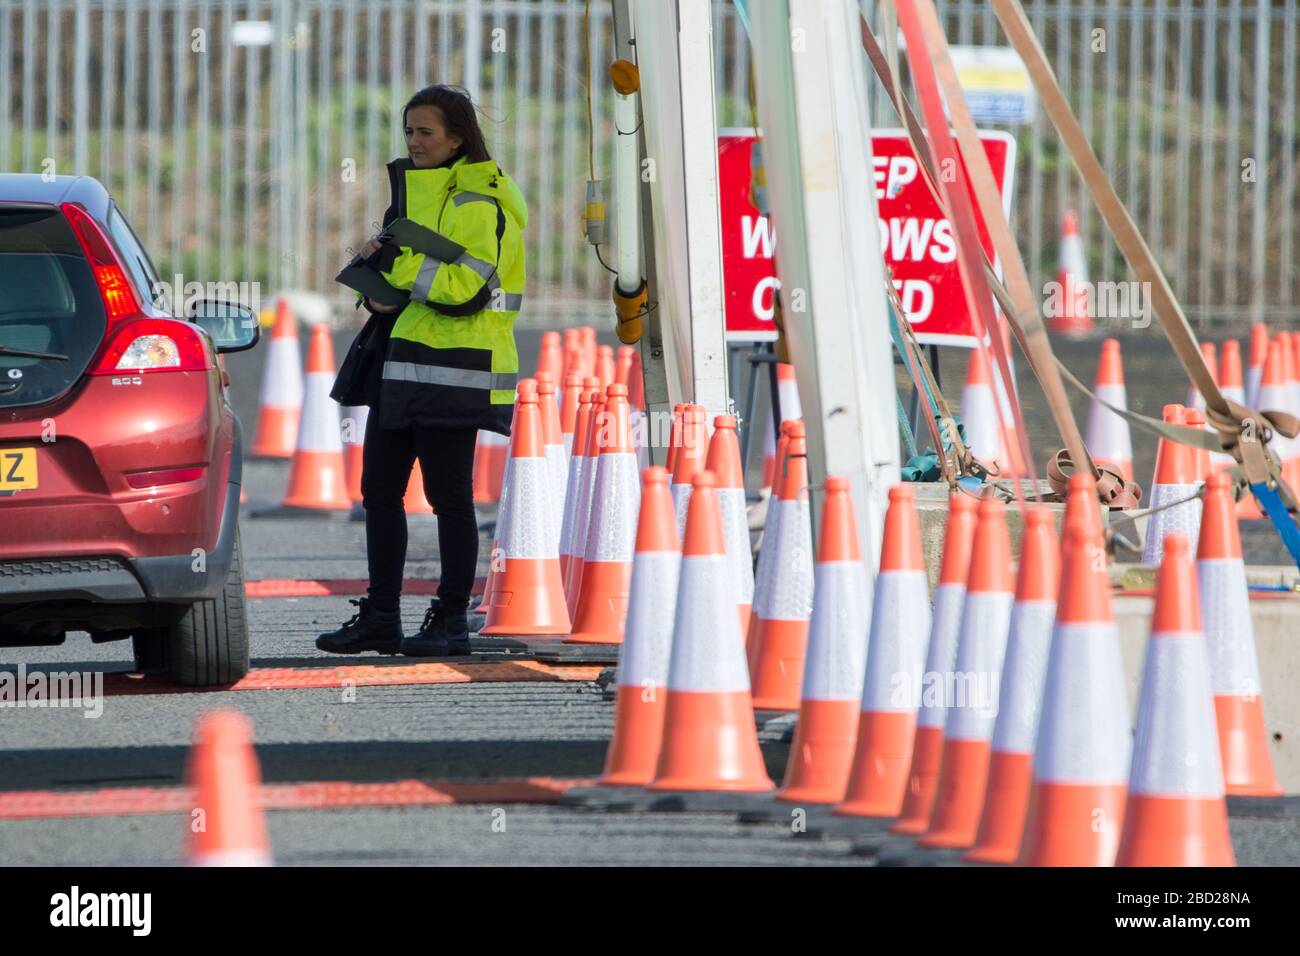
28	353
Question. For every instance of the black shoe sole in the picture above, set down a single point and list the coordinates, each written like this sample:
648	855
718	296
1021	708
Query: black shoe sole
389	648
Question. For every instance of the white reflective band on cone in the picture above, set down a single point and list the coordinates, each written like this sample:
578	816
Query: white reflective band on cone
790	590
1108	434
708	651
900	621
980	649
648	637
1094	749
941	654
767	559
577	476
735	529
837	633
1229	632
979	413
611	535
282	380
1024	673
558	471
318	429
359	414
527	532
1175	744
1184	519
681	500
582	516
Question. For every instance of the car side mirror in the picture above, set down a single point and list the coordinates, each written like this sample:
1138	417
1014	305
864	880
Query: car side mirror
233	328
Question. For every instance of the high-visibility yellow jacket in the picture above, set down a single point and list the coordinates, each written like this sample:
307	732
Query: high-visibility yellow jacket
451	358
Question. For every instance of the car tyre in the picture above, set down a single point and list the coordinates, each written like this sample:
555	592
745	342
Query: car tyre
208	644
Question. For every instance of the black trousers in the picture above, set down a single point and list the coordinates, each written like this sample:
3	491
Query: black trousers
446	458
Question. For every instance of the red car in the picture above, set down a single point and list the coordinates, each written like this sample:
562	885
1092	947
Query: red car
120	456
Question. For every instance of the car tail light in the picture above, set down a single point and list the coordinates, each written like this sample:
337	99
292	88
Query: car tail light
154	345
119	298
170	476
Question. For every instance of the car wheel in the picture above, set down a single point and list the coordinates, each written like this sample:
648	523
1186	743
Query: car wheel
208	644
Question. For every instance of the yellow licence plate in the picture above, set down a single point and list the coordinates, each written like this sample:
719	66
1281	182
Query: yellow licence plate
17	469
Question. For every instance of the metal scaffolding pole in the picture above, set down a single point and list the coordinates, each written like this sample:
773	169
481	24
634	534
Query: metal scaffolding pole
675	57
812	103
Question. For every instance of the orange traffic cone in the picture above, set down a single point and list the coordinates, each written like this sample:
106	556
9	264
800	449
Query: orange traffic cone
822	752
968	730
724	462
1108	434
941	658
1011	767
767	559
981	416
579	462
900	623
227	827
611	538
588	340
557	462
709	740
1258	356
281	398
1174	480
787	390
571	346
585	495
527	596
1233	389
1230	637
1176	813
1075	314
674	438
1210	354
569	400
1195	418
503	513
550	359
642	681
354	446
316	478
490	454
636	383
623	365
605	365
689	460
415	501
1081	754
1279	391
780	642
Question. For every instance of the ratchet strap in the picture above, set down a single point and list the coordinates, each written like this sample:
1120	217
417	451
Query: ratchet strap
1243	432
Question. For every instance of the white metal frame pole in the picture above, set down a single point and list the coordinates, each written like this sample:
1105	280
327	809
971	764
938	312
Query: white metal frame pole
812	103
675	51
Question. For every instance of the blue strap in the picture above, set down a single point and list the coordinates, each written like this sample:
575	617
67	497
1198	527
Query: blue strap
1271	502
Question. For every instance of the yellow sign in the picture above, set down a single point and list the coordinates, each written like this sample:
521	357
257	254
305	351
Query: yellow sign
17	469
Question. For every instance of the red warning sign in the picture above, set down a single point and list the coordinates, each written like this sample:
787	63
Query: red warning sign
918	243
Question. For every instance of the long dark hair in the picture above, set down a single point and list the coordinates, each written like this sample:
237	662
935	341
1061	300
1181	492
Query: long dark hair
458	115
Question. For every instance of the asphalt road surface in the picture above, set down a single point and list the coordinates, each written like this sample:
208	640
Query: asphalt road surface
484	732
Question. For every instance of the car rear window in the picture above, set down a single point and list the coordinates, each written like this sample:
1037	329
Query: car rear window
49	302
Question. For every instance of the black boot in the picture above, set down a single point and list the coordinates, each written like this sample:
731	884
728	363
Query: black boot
369	630
444	633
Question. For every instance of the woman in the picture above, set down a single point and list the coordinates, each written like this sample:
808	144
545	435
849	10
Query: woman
435	369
